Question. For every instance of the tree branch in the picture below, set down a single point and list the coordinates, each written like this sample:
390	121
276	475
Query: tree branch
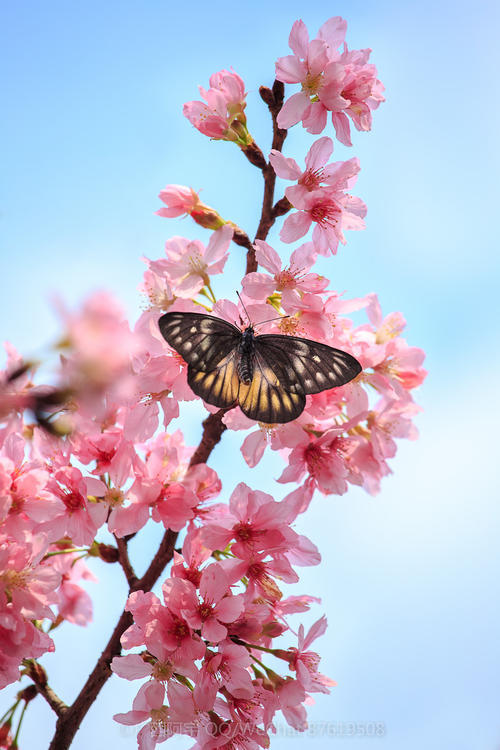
274	100
71	717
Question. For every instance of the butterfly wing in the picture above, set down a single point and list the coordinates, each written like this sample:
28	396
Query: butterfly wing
218	387
303	366
265	400
202	340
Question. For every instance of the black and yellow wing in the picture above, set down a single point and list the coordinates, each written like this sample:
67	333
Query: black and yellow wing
265	399
202	340
219	386
303	366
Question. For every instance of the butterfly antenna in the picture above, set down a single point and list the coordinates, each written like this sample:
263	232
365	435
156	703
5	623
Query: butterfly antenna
248	316
280	317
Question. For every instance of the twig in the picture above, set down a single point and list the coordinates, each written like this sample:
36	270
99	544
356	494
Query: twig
241	238
274	100
39	677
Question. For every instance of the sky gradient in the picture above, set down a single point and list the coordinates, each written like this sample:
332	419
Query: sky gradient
93	129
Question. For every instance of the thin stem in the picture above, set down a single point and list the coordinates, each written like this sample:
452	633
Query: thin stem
14	741
66	551
10	712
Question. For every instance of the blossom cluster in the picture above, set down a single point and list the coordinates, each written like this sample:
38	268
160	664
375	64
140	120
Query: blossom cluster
222	115
205	645
95	451
343	83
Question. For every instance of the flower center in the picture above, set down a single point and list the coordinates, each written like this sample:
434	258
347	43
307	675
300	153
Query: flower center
163	671
289	326
73	500
243	532
15	579
325	213
205	610
312	84
196	263
284	279
312	178
315	458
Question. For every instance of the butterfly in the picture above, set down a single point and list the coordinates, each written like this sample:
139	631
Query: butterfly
268	375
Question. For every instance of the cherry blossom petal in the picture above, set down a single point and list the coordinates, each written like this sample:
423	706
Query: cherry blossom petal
258	285
298	41
295	226
319	153
267	256
293	110
285	167
214	583
290	69
342	128
230	608
131	667
218	244
333	31
314	117
253	448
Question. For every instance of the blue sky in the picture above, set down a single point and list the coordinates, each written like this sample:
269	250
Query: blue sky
93	129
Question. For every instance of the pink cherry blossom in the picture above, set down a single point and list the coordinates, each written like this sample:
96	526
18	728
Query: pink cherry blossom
178	200
100	347
342	83
156	288
291	281
229	667
306	663
19	639
183	200
80	518
189	264
74	604
29	585
223	114
330	208
148	706
218	605
321	460
254	520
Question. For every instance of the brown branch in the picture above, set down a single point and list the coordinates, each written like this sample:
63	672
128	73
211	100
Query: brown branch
241	238
255	155
281	207
71	717
274	100
39	677
213	427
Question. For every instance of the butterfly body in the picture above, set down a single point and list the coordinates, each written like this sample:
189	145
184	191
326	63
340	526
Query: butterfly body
247	353
267	375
